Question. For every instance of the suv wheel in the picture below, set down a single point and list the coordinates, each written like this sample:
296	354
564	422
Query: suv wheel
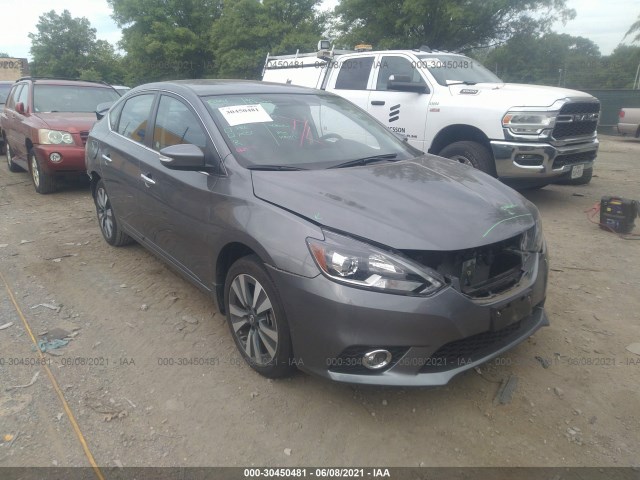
256	318
12	166
42	181
106	218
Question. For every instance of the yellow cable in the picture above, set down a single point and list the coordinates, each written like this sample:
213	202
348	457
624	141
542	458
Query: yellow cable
56	387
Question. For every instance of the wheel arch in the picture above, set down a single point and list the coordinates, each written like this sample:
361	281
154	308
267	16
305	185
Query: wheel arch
458	133
228	255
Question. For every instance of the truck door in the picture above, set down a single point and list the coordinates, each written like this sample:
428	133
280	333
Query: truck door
353	79
404	113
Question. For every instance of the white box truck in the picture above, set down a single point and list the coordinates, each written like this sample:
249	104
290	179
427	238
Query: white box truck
450	105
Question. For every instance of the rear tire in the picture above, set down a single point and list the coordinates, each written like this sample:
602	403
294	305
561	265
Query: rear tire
42	181
257	319
109	226
583	180
471	153
12	166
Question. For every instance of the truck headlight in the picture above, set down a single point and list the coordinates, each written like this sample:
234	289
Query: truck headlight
54	137
345	260
529	123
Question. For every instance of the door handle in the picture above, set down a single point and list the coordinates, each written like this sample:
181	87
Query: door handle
147	179
106	158
377	102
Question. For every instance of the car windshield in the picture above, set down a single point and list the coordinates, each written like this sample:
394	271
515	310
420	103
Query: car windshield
4	92
71	98
448	69
294	131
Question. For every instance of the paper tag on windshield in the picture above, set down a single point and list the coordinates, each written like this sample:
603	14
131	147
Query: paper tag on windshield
242	114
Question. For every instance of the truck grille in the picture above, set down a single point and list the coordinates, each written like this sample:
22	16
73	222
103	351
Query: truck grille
576	120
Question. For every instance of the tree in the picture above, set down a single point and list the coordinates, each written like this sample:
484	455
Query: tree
443	24
168	39
635	27
249	29
5	55
67	47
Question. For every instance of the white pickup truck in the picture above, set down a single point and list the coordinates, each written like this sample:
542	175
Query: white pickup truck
629	123
450	105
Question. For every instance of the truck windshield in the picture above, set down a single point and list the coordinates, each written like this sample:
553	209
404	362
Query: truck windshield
448	69
71	98
296	131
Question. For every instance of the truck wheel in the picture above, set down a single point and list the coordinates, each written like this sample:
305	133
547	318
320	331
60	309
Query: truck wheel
42	181
12	166
471	153
583	180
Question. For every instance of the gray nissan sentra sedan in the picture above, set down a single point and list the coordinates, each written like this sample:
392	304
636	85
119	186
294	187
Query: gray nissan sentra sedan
330	244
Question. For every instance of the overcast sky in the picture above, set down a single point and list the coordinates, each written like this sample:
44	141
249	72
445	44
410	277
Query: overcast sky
604	22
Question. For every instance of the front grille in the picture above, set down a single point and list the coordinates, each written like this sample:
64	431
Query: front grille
350	360
573	158
466	350
83	136
482	271
568	125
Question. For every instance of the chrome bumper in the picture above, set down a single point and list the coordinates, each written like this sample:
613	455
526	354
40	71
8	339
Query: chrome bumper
507	155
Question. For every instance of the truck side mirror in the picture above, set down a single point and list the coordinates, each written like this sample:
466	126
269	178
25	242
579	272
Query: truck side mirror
403	83
20	108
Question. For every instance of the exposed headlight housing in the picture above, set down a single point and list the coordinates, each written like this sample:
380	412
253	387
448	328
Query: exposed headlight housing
348	261
533	239
529	123
54	137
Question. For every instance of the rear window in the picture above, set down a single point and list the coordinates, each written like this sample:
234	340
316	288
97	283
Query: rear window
71	98
5	88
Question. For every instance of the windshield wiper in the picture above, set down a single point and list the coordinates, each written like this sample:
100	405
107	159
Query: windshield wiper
461	82
274	167
365	160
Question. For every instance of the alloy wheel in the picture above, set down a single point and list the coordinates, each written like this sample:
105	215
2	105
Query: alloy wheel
35	173
105	213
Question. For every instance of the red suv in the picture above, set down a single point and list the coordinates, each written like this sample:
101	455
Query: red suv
46	123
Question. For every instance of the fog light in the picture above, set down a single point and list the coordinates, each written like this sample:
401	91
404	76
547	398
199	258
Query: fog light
376	359
55	157
530	160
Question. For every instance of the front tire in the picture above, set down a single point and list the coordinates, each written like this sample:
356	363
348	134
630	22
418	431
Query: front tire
12	166
42	181
471	153
109	226
256	318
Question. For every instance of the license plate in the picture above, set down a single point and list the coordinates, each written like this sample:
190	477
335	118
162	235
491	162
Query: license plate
513	312
577	171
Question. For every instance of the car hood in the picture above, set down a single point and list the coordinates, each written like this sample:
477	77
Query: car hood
511	95
73	122
427	203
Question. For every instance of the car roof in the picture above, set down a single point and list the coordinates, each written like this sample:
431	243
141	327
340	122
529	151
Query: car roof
65	82
205	87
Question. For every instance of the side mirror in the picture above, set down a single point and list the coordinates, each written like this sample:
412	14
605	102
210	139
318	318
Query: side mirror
102	109
182	157
403	83
20	108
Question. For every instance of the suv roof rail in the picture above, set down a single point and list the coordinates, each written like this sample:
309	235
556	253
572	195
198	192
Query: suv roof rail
63	78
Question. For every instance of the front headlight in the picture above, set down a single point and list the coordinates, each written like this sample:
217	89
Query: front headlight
355	263
54	137
529	123
533	239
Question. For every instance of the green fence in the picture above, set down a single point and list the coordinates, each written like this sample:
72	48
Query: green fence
611	101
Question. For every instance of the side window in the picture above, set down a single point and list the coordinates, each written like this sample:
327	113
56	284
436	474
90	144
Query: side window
396	66
134	116
175	124
15	93
23	96
354	74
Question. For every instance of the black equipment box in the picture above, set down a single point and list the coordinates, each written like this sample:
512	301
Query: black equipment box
618	214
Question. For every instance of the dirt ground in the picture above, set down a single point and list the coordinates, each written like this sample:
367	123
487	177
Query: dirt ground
152	376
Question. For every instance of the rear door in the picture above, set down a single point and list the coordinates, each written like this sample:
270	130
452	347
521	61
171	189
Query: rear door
120	159
404	113
177	205
352	79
